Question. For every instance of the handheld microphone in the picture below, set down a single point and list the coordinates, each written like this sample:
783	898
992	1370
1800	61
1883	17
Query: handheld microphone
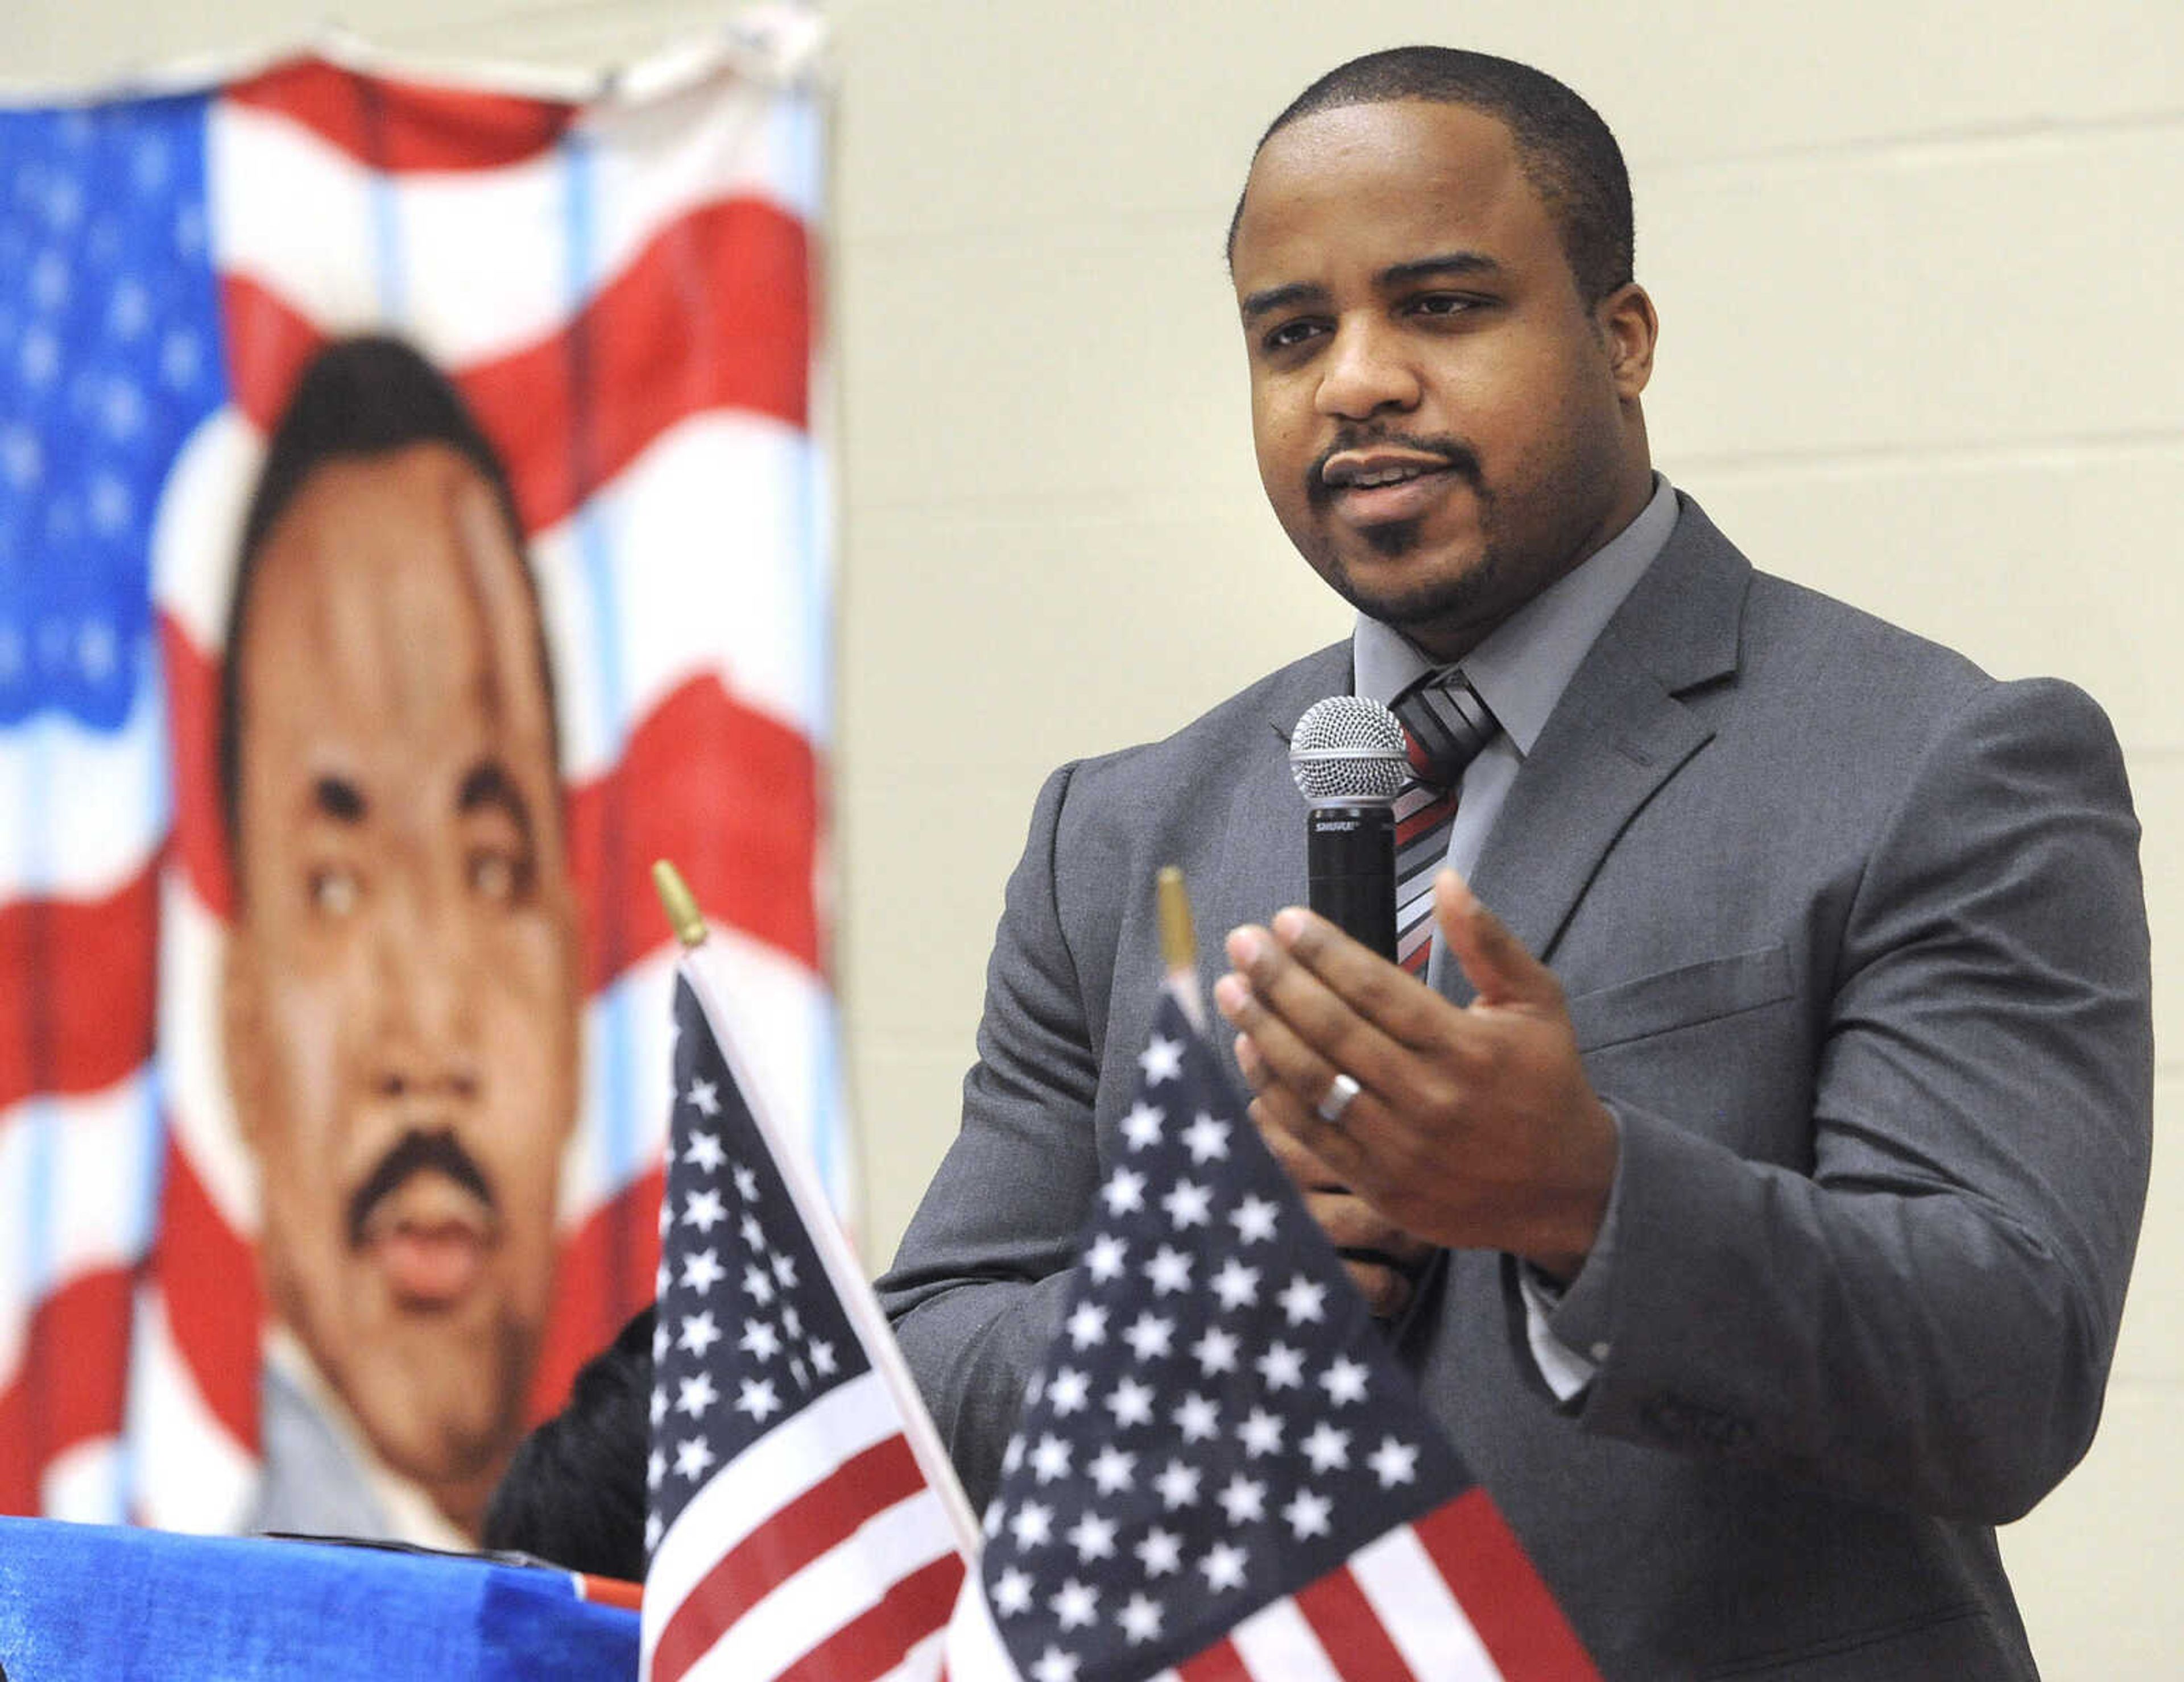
1346	755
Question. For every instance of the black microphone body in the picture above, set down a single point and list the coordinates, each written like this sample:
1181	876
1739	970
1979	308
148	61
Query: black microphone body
1350	866
1347	754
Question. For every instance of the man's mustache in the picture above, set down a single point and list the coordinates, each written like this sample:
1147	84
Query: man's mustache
1461	460
415	1152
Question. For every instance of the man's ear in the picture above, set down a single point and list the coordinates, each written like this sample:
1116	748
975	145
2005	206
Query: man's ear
242	1034
1630	330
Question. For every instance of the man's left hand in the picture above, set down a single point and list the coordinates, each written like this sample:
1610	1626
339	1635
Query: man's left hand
1473	1126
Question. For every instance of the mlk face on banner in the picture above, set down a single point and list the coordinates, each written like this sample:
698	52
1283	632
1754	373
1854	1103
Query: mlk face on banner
399	999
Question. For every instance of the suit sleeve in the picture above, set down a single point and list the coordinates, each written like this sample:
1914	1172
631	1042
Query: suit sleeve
977	1288
1927	1317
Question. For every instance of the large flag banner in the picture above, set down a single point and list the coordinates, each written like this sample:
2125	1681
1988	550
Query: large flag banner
1221	1471
411	524
803	1519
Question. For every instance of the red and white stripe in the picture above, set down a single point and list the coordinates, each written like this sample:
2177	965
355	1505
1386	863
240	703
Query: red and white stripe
820	1553
1449	1598
661	240
75	1093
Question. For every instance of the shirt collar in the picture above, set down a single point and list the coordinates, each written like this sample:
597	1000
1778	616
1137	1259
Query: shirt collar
1524	665
410	1513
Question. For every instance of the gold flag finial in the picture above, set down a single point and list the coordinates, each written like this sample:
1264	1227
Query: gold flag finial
1179	939
680	904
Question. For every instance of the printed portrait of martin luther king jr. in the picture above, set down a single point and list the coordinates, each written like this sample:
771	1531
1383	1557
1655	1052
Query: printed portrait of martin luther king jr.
400	990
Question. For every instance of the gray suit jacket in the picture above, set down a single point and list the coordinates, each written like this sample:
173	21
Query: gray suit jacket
1854	942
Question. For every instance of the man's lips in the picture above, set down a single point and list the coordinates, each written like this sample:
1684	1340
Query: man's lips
430	1239
1378	484
425	1217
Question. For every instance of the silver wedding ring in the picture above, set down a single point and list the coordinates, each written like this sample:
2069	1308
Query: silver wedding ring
1340	1091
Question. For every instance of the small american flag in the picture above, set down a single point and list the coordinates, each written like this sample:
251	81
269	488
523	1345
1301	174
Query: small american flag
1220	1470
803	1519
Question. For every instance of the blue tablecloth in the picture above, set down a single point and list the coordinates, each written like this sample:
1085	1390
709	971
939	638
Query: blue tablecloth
86	1603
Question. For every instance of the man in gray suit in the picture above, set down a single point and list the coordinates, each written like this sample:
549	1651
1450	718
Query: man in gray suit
1753	1188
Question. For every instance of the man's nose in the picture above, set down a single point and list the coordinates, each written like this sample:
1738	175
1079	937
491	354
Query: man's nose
1367	370
428	985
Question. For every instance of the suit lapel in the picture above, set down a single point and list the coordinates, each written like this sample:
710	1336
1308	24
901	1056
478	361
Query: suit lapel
1618	733
1591	771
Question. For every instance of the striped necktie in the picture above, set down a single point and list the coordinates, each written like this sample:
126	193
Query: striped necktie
1447	724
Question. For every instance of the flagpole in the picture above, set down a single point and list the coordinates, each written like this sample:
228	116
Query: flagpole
847	1273
1179	943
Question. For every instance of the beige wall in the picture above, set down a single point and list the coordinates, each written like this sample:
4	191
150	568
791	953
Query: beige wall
1913	259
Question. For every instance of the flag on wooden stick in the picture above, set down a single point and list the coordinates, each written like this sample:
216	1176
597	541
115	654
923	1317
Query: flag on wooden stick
802	1519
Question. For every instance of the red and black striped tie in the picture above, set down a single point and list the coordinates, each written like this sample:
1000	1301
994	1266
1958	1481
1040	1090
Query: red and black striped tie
1447	724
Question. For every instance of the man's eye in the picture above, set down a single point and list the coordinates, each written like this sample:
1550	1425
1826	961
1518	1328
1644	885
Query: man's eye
334	890
496	877
1443	303
1290	335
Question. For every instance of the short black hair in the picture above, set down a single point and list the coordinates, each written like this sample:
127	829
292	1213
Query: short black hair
1566	151
360	397
575	1492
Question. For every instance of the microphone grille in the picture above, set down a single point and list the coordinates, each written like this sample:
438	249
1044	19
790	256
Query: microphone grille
1347	749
